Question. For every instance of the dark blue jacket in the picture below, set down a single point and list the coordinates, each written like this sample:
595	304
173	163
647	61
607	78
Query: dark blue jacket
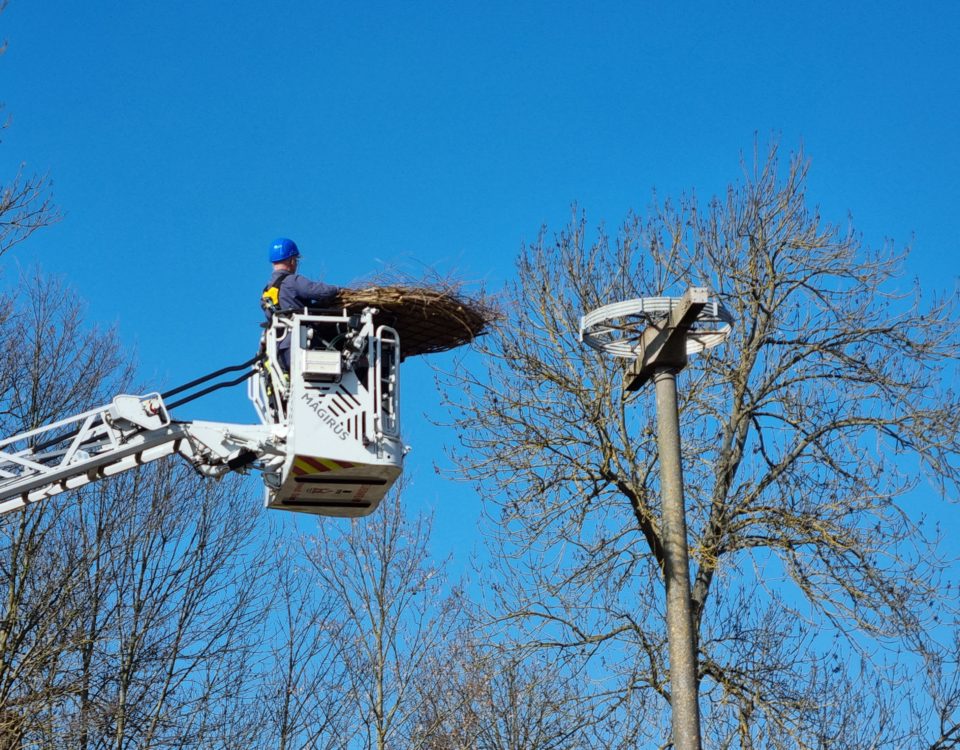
298	292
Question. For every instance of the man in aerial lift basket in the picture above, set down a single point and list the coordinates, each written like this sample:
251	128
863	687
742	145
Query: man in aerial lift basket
288	290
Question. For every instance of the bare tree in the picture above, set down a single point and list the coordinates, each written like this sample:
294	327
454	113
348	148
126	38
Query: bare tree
396	618
131	612
169	604
25	202
302	683
25	206
27	636
51	365
484	696
804	439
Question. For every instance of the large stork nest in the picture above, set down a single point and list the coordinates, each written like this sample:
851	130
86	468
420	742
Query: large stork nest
429	319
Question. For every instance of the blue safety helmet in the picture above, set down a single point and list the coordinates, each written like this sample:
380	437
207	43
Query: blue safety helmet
282	248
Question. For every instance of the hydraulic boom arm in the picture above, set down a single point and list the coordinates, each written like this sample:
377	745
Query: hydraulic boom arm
128	432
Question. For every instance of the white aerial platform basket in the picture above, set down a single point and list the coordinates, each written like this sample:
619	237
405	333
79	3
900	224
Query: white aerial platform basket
339	407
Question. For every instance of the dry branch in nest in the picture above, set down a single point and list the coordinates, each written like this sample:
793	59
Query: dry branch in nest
429	319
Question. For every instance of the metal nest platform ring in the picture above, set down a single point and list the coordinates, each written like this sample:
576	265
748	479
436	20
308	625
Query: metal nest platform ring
616	328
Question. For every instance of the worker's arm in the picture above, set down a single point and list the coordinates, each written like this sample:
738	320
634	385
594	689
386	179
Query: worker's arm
312	293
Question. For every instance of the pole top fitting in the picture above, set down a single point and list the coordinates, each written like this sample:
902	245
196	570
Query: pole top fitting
619	328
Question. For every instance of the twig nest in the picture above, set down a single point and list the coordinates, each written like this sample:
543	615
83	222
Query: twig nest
428	319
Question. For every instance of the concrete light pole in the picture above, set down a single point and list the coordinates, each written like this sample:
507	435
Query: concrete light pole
658	333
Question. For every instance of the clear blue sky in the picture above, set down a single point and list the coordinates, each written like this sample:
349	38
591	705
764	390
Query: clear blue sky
183	136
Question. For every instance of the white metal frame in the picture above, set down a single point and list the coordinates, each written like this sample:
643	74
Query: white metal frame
616	328
387	384
381	345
